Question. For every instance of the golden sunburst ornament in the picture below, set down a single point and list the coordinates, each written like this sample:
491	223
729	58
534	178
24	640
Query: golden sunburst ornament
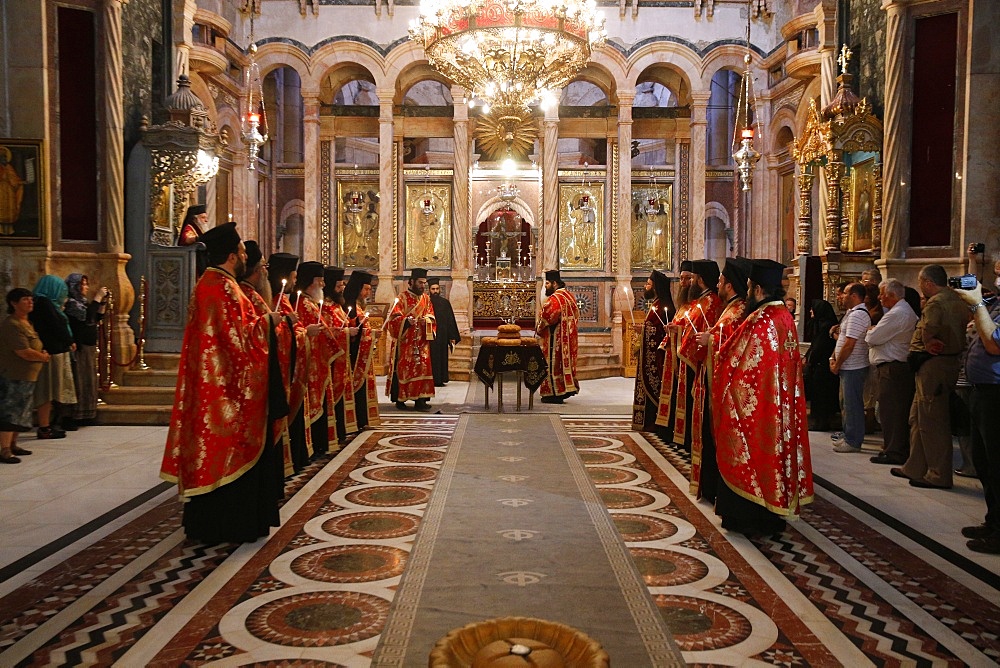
506	135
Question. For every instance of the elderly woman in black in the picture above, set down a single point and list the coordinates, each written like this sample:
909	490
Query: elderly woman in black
822	387
84	316
21	359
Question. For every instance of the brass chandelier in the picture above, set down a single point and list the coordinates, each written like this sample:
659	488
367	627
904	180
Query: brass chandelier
509	54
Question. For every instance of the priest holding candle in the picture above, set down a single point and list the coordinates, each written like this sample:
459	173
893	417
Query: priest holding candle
556	326
220	451
412	325
649	368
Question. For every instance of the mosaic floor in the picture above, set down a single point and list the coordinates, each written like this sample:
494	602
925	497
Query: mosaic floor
835	589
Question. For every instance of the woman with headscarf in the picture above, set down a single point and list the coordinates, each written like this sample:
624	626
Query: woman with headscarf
822	387
55	382
84	316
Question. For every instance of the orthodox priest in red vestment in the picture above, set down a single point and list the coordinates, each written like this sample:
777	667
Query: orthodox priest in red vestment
412	326
704	310
649	366
322	351
363	345
732	286
281	278
557	328
219	448
759	414
257	288
340	403
666	411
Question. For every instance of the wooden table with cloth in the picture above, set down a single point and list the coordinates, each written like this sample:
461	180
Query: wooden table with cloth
526	360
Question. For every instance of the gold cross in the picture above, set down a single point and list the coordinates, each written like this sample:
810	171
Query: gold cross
790	343
845	57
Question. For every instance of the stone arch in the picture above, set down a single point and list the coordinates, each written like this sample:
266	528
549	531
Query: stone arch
599	76
782	121
613	64
360	58
669	77
718	232
494	203
334	78
729	57
401	58
672	55
291	227
413	74
273	55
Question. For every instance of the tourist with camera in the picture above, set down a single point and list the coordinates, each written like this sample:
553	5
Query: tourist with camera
982	369
934	349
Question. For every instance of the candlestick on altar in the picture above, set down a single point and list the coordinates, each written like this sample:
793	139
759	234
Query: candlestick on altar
298	298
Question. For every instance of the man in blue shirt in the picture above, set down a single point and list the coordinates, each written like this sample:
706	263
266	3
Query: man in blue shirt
982	369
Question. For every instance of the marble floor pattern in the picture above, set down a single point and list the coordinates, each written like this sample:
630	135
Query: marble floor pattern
94	569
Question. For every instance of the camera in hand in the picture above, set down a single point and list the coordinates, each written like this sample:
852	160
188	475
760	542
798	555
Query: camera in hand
979	248
966	282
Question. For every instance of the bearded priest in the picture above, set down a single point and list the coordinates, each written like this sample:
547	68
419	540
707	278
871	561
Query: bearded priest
412	325
220	450
649	368
557	328
759	414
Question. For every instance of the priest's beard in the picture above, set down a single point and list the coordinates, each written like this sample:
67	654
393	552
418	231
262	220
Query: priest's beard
549	291
649	295
262	286
316	294
338	297
753	303
684	294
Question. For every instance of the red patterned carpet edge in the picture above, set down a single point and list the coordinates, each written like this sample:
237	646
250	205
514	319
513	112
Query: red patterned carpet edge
178	650
871	623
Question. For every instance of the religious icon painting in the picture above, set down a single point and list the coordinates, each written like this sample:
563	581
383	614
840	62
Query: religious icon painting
862	205
428	225
581	225
652	223
22	206
357	215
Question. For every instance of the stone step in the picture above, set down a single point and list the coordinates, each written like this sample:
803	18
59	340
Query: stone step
150	378
162	361
124	395
133	414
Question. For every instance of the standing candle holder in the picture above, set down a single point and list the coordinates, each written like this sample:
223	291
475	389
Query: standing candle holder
143	298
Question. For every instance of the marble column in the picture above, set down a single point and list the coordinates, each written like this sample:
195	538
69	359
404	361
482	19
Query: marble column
549	252
980	173
624	186
699	129
388	241
897	134
827	50
314	245
461	227
182	28
113	179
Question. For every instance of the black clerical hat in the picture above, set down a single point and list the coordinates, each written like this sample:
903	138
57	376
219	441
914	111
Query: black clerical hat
221	240
254	255
307	272
661	285
708	270
767	274
433	280
417	273
552	275
333	274
687	265
281	265
737	271
355	282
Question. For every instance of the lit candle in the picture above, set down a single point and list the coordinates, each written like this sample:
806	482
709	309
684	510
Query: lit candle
631	315
298	298
277	300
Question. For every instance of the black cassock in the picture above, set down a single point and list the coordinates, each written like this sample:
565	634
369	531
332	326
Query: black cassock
447	334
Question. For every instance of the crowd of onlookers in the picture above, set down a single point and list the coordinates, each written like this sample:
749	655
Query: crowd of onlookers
48	360
923	366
